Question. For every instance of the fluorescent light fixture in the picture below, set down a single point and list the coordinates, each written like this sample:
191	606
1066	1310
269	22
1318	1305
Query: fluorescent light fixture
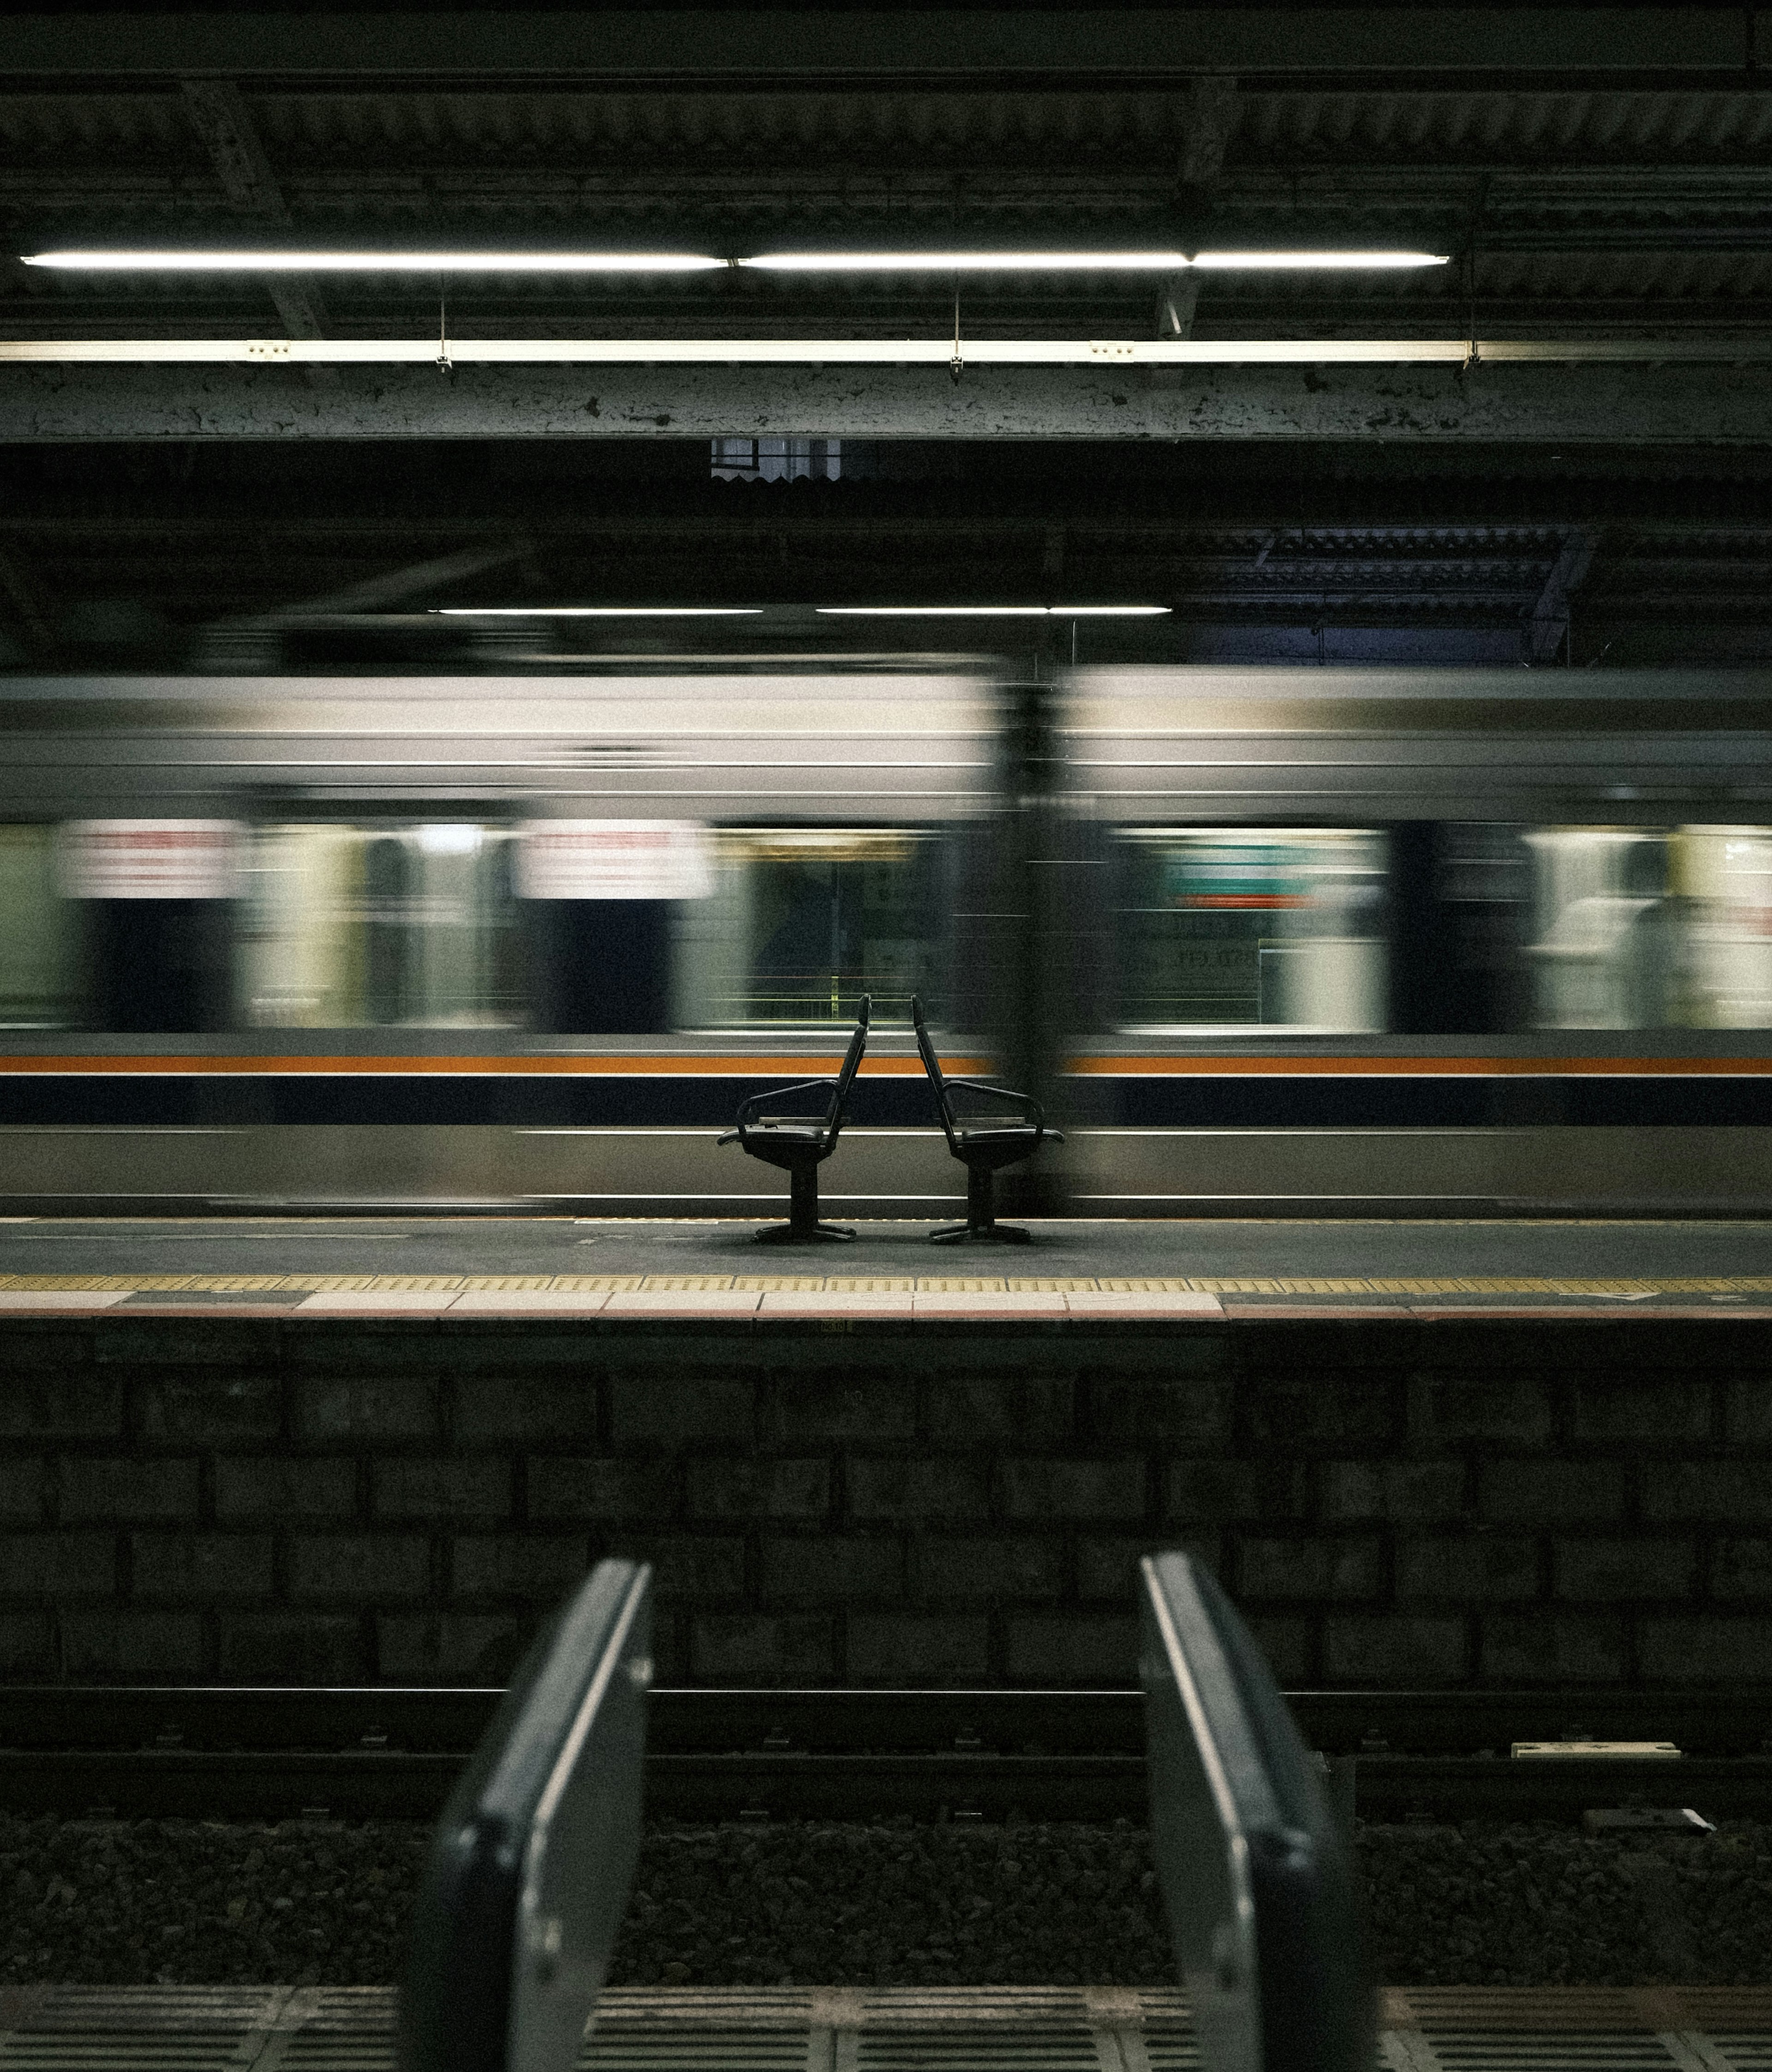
274	260
596	611
1253	262
993	610
967	262
825	610
1074	262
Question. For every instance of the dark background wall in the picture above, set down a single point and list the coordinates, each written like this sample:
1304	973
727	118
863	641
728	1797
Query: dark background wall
1392	1503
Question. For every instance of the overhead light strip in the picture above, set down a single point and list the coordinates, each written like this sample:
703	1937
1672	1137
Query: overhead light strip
1082	262
822	610
596	611
993	610
886	351
270	259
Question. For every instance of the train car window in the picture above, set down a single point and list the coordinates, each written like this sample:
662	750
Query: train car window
1236	927
1603	952
1723	878
804	921
1651	927
38	933
409	923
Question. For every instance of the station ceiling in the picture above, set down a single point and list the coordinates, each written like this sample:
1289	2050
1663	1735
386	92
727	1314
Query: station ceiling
1592	173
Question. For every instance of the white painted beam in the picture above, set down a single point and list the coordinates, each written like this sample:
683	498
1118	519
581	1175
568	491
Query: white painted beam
1594	404
891	352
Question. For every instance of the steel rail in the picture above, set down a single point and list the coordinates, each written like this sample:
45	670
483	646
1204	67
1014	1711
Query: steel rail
1723	1720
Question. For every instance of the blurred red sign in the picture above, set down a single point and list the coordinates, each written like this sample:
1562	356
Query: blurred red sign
615	860
150	859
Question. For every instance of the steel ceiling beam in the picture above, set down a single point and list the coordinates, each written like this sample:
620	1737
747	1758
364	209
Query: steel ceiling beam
1522	191
1211	119
220	116
1599	405
1549	627
948	44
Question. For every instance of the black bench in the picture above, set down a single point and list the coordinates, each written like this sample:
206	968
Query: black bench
800	1142
515	1916
983	1143
1257	1875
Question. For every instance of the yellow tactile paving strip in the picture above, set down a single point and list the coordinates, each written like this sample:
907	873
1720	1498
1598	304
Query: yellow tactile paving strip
783	1284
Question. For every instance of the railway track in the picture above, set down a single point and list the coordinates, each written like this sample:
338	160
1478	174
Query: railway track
393	1753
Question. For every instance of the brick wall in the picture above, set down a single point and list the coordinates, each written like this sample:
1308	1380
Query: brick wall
183	1500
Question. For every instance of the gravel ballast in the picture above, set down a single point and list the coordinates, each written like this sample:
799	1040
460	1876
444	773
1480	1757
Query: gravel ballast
324	1903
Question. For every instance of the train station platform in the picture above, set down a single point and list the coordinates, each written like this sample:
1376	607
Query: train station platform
462	1266
311	1451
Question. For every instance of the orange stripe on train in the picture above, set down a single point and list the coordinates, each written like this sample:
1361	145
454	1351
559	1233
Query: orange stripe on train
663	1064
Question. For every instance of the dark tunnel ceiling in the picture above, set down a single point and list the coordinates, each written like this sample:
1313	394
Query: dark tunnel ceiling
1616	188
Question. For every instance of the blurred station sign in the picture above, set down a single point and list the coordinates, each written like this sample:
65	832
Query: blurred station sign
615	860
148	859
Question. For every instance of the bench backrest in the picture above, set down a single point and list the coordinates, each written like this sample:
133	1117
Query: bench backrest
852	1063
932	1064
1255	1869
529	1869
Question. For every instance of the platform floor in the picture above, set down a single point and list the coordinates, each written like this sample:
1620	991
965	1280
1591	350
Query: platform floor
246	2029
463	1267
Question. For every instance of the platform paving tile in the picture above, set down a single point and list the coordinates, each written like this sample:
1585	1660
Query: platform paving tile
1007	2028
934	1297
527	1302
47	1300
886	1304
940	1304
658	1302
397	1301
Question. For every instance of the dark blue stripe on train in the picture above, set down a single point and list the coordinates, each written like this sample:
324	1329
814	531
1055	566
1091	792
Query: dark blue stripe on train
514	1100
674	1101
1453	1101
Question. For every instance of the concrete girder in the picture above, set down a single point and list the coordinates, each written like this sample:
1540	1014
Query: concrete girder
1635	405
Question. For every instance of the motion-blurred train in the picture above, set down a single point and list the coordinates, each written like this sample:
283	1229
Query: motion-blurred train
1304	941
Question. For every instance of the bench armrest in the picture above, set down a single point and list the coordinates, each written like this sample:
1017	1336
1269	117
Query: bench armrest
1028	1106
753	1105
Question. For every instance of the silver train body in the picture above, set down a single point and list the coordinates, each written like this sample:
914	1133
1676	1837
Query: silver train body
1317	941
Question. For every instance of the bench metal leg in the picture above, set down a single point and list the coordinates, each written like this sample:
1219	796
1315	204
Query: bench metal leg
803	1226
980	1226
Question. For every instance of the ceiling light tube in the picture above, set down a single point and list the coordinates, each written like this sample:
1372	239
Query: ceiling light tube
279	261
1250	262
967	262
596	611
1108	261
993	610
275	260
